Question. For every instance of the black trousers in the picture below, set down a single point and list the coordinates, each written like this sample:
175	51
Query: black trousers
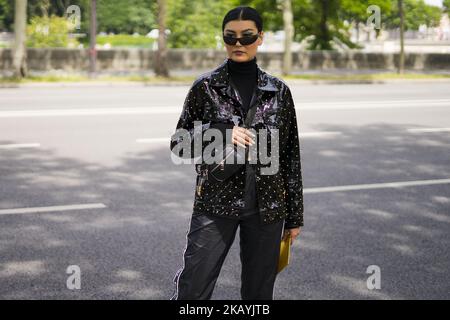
208	241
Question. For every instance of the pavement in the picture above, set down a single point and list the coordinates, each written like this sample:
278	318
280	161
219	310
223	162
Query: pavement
319	77
87	180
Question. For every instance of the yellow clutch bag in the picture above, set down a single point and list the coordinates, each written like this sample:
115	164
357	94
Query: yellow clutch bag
285	250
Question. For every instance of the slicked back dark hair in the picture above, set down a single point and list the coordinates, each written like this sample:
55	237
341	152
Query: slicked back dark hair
243	13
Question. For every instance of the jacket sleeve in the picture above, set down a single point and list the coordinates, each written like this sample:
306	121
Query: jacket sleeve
193	110
186	128
291	167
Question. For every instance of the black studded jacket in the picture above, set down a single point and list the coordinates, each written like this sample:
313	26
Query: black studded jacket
214	102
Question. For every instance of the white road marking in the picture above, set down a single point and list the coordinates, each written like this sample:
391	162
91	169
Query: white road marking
429	129
153	140
300	106
19	145
373	104
88	112
53	208
311	134
397	184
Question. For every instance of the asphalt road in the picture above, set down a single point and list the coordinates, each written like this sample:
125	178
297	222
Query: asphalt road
86	179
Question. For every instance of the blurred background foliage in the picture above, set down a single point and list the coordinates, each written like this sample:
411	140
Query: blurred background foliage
53	32
197	23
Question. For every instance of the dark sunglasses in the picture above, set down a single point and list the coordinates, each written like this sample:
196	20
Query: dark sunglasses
245	41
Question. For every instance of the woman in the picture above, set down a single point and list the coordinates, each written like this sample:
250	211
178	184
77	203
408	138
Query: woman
265	204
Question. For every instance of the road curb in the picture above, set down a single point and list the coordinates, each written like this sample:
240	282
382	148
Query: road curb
387	81
188	83
92	84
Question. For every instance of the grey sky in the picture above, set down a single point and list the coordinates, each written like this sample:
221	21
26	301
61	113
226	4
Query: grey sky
434	2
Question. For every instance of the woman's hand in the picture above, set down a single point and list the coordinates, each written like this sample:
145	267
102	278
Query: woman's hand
294	233
242	136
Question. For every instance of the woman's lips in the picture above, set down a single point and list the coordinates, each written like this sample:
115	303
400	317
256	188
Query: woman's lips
238	52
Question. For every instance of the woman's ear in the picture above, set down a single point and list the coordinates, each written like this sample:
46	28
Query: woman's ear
260	39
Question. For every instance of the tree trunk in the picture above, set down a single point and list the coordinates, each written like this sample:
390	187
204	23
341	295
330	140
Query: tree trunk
289	35
401	62
161	54
357	31
324	32
93	40
19	49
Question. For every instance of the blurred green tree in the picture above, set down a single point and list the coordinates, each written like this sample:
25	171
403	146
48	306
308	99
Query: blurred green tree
126	16
417	12
196	24
356	11
53	31
6	15
323	20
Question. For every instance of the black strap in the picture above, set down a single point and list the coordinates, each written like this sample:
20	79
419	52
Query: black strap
249	118
250	113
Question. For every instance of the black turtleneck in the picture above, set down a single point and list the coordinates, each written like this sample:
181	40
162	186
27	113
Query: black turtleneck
244	76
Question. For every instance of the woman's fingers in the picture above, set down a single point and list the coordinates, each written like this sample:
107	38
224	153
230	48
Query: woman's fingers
240	144
244	140
247	134
243	136
293	233
237	140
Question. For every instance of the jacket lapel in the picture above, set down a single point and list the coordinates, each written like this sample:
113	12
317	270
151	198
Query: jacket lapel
220	78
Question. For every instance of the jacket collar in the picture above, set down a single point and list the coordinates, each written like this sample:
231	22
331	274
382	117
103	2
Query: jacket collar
220	78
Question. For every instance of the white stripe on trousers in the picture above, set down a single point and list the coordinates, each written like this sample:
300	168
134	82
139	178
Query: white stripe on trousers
180	271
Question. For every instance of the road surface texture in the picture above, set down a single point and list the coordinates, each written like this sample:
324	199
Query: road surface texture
87	180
